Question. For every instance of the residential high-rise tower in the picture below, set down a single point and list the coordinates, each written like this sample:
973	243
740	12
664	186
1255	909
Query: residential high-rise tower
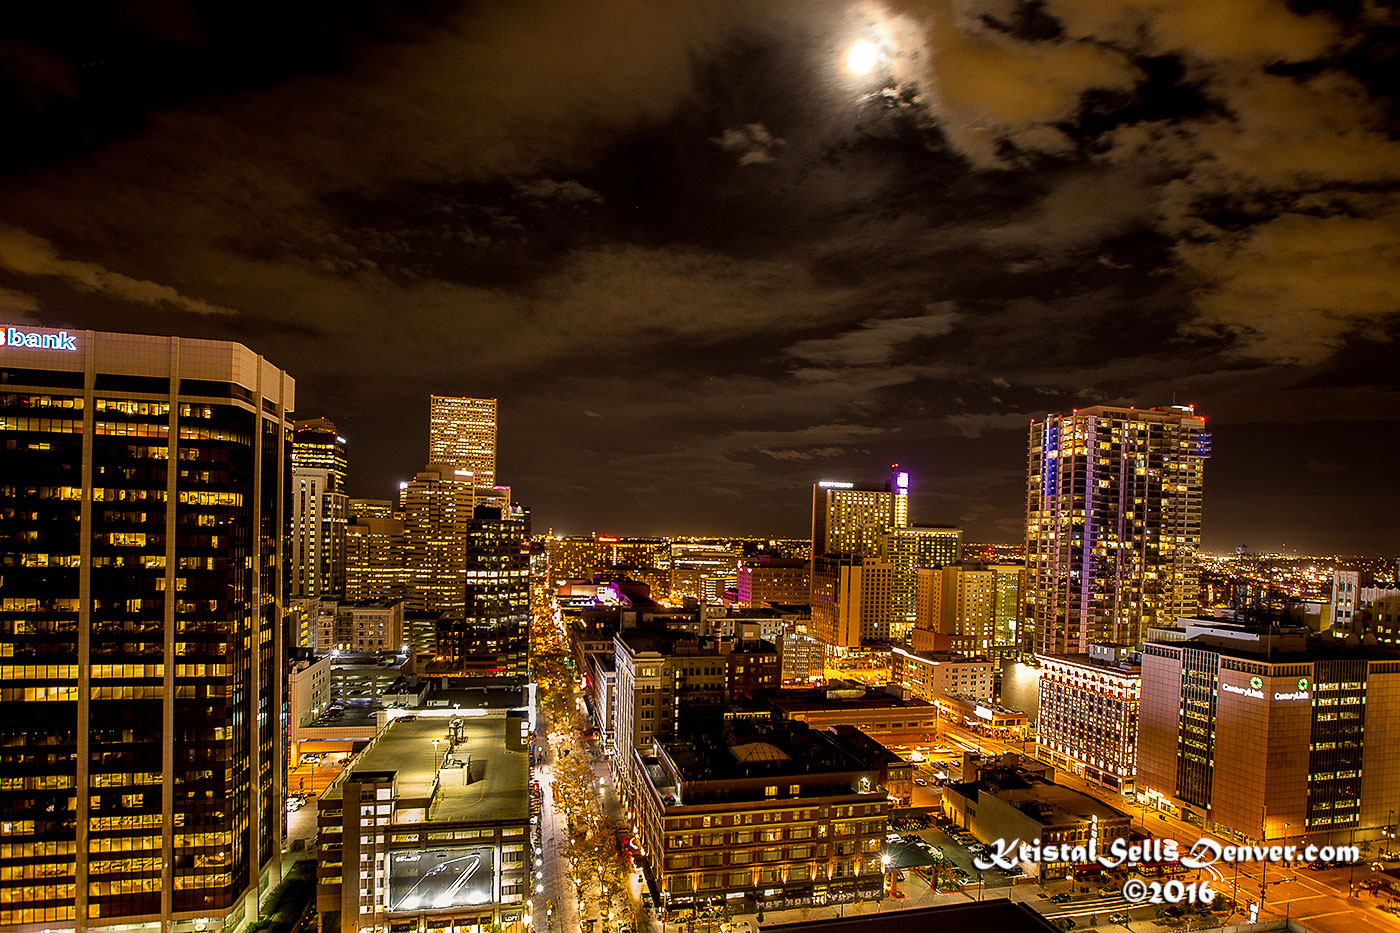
1113	524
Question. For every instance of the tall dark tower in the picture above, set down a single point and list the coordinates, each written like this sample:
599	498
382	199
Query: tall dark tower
143	514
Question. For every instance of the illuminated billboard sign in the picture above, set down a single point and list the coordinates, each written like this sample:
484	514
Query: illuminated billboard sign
422	879
832	484
33	340
902	480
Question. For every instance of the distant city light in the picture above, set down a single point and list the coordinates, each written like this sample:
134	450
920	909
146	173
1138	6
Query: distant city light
832	484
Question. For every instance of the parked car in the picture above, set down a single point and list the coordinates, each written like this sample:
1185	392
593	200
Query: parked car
1060	898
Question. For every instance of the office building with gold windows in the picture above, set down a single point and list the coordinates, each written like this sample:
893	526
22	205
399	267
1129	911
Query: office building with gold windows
462	431
376	565
143	510
316	561
908	550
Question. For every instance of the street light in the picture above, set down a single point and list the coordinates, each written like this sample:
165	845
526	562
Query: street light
435	757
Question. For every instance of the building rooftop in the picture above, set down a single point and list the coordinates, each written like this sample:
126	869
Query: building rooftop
867	749
668	641
1090	662
1000	915
1050	804
942	657
829	698
973	703
747	749
498	789
1282	644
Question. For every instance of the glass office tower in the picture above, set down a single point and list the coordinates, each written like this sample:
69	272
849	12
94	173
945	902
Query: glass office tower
143	514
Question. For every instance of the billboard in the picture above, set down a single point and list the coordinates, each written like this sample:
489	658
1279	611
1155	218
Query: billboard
423	879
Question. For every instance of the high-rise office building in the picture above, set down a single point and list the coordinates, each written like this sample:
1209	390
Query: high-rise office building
143	509
907	549
849	518
462	431
319	504
438	505
376	567
1113	523
850	524
1272	734
974	606
490	634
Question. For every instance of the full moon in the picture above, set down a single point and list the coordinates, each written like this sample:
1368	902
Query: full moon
861	58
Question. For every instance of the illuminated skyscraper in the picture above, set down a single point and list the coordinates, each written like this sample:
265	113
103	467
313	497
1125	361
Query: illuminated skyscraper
317	560
848	519
901	497
375	565
462	431
1113	524
907	549
438	505
490	635
851	605
966	607
143	510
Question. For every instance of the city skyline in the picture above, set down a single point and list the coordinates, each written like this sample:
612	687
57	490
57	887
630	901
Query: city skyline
703	261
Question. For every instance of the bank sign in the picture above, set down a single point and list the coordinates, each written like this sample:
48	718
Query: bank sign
33	340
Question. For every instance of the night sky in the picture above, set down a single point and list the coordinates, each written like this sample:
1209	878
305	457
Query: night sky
702	264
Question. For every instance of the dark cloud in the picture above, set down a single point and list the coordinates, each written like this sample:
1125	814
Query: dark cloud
702	266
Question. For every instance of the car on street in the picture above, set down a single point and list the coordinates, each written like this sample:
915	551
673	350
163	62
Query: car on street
921	782
1118	918
1060	898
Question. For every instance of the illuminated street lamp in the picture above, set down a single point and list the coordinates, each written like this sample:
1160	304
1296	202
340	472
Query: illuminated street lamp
435	757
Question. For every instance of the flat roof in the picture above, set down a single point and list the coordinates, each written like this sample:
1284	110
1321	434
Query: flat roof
816	699
762	750
113	353
1055	803
999	914
1319	649
499	787
1089	662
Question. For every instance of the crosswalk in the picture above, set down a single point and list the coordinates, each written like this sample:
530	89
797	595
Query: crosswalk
1095	905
